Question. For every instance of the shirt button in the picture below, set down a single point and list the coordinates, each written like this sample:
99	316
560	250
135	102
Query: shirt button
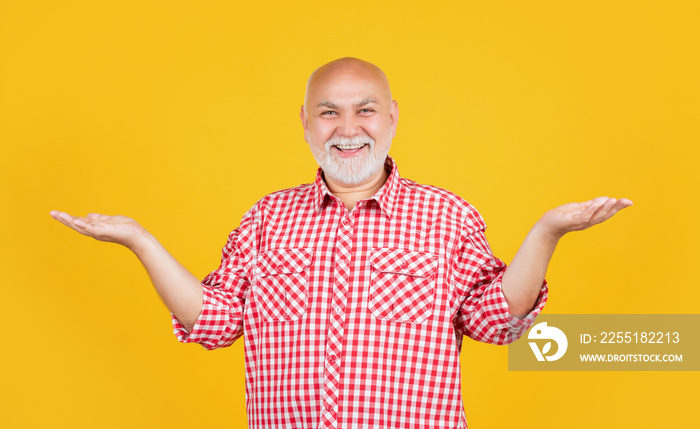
331	358
329	407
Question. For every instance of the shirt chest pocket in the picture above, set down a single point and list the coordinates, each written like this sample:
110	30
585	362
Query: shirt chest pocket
282	292
402	285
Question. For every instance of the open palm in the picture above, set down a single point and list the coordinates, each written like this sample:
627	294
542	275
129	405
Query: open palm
579	216
114	229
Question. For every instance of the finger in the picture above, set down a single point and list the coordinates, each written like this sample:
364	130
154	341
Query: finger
97	216
64	222
83	223
80	228
593	206
55	214
604	211
72	223
597	201
585	204
619	205
623	203
63	217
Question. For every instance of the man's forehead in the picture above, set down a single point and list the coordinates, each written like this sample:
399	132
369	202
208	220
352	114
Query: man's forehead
336	93
347	78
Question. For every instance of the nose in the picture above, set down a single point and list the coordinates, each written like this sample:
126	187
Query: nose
349	126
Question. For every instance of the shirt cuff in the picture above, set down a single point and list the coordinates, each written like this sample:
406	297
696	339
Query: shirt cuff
519	324
210	325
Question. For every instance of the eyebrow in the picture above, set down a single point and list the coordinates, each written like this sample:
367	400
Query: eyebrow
330	105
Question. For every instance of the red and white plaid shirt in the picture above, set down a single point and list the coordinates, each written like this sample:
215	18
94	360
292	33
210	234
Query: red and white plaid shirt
355	319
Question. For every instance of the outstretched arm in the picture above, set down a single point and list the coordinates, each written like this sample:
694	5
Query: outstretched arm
523	278
179	289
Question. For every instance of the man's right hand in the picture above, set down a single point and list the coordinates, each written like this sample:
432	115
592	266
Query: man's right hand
114	229
178	288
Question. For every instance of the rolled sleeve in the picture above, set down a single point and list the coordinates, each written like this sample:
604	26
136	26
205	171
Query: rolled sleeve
483	312
219	324
493	321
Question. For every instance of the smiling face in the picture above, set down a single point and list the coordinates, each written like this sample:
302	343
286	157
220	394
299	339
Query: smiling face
349	120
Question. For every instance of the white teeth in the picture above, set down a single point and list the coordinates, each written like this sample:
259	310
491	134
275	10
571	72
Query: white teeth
343	143
349	146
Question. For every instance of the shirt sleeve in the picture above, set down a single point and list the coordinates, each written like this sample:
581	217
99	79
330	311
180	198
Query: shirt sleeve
225	291
483	313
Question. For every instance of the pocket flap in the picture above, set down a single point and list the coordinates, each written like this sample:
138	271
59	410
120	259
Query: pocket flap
420	264
284	261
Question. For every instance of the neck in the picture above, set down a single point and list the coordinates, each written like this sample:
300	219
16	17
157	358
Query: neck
350	195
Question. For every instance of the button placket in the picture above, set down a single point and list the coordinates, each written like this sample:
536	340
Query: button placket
336	325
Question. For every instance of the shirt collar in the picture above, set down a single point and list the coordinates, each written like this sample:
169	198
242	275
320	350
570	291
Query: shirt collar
385	196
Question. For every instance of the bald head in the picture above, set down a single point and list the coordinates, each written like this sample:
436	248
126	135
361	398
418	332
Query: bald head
343	71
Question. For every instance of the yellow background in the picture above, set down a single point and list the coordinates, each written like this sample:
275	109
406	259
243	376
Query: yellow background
182	114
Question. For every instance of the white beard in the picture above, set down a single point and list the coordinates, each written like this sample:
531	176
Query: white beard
356	170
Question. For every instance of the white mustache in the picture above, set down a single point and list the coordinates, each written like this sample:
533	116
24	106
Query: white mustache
354	141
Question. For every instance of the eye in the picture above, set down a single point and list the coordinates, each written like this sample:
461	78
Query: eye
329	112
366	110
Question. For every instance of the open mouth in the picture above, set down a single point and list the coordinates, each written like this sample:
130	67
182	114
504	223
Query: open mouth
350	148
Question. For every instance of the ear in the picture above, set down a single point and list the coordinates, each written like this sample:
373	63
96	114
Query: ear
394	117
304	123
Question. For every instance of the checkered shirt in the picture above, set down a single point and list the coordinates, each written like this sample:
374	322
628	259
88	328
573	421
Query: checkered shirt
354	319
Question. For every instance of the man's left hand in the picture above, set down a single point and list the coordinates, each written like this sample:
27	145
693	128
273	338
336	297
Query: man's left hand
579	216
